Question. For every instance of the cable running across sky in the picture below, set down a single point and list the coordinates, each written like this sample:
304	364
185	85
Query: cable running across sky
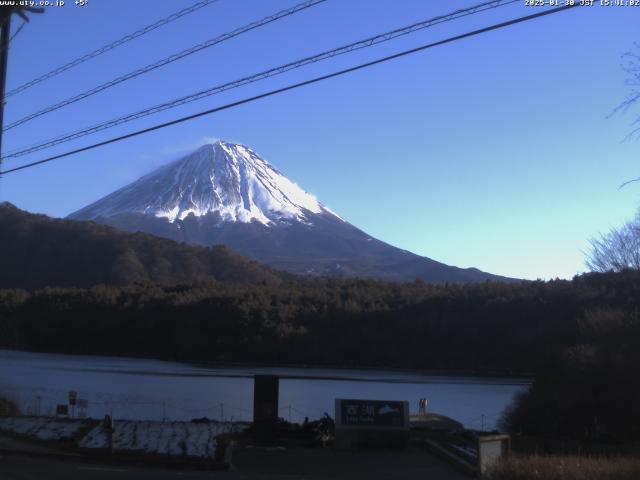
360	44
295	86
110	46
168	60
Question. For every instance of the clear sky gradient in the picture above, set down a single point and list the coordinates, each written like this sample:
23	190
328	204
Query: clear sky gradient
494	152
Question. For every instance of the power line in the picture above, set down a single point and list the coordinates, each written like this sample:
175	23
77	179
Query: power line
297	85
18	30
127	38
368	42
170	59
13	36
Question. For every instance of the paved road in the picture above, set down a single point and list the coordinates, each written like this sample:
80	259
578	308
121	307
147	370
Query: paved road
14	444
20	467
310	464
315	463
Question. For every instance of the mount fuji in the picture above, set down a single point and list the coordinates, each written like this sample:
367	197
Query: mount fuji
224	193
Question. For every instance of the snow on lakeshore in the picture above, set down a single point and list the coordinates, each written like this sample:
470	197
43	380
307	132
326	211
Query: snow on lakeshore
191	439
163	438
43	428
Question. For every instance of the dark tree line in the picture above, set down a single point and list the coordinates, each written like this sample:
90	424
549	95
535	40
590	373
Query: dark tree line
581	338
589	390
37	251
323	322
161	299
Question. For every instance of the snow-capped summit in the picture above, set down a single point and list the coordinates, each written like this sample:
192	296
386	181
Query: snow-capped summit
224	178
224	193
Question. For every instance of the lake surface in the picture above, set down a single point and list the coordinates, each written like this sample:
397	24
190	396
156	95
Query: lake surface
152	389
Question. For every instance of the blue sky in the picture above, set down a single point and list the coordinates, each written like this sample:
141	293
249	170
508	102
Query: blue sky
494	152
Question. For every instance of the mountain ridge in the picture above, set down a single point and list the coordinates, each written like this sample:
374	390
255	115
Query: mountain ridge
225	193
227	178
39	251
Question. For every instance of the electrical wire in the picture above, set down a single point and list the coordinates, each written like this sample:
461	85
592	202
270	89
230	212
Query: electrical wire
368	42
166	61
110	46
18	30
14	35
296	85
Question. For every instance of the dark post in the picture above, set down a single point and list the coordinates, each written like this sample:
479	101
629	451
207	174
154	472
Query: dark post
107	426
265	408
73	397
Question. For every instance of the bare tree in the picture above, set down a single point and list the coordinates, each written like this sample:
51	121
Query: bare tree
620	248
631	65
617	250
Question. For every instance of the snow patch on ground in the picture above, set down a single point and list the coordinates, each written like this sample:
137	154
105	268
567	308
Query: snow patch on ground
43	428
163	438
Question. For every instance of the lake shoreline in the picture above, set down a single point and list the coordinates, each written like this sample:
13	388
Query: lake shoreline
148	389
518	378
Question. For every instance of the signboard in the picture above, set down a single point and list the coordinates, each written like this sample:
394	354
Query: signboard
62	409
371	424
391	414
73	395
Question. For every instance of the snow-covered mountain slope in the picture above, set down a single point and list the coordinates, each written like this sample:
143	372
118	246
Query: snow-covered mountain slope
225	193
224	178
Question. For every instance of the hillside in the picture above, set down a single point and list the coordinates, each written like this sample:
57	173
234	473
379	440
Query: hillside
580	337
226	194
37	251
502	327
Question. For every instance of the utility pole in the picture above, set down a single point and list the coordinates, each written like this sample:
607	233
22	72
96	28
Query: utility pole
5	23
4	57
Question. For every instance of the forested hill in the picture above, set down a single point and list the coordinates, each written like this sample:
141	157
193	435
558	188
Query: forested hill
505	328
37	251
157	298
